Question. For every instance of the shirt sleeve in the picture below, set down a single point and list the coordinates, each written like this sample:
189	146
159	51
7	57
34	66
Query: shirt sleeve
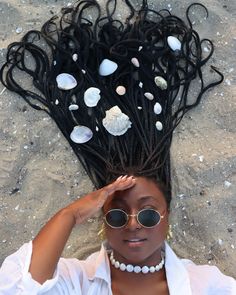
16	279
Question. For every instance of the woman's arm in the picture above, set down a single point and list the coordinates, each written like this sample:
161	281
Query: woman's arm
50	241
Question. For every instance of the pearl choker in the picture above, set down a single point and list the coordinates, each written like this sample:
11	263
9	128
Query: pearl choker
136	269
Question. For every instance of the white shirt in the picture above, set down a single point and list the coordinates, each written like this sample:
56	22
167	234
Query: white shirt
92	276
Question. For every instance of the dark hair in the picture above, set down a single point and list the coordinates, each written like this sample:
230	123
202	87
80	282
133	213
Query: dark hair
77	44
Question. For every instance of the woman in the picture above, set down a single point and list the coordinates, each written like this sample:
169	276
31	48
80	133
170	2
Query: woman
116	91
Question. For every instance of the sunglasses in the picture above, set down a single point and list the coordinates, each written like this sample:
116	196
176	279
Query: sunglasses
117	218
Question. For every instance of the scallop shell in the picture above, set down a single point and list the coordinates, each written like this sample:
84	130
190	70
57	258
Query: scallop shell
92	96
157	108
161	82
159	126
135	62
81	134
174	43
66	81
73	107
107	67
121	90
116	122
149	95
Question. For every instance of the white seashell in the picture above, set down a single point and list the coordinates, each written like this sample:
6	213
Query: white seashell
160	82
66	81
73	107
159	126
140	84
140	48
157	108
135	62
92	96
149	95
56	102
139	108
81	134
107	67
174	43
75	57
83	71
116	122
121	90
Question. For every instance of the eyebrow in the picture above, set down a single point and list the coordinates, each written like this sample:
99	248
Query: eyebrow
141	200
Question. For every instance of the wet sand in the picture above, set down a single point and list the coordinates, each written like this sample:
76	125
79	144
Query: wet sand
39	174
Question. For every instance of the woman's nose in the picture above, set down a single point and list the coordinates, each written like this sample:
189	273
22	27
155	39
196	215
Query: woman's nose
132	223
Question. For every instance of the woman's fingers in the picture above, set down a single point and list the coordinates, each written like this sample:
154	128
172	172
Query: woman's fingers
121	183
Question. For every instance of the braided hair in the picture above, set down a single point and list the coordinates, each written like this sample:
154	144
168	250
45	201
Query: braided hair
119	122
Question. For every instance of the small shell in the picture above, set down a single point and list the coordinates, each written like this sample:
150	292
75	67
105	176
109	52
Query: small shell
116	122
66	81
140	48
140	84
81	134
73	107
92	96
121	90
56	102
157	108
135	62
159	126
75	57
83	71
174	43
161	82
107	67
139	108
149	95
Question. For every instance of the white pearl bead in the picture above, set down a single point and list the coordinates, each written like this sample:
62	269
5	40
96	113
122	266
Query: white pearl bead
117	264
137	269
129	268
145	269
152	269
122	267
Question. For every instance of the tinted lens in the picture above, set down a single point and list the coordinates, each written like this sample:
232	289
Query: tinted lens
116	218
149	217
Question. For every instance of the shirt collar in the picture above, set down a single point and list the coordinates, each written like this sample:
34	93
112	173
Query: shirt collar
176	274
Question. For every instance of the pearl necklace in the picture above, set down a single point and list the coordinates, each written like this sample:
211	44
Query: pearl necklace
137	269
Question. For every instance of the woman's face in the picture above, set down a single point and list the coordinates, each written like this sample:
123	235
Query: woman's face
147	251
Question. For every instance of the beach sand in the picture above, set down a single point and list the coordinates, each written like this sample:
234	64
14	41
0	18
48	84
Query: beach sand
39	174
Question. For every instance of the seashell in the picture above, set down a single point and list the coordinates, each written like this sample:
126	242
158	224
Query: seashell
159	125
174	43
92	96
73	107
75	57
140	48
161	82
66	81
107	67
56	102
140	84
121	90
81	134
157	108
135	62
149	95
116	122
139	108
83	71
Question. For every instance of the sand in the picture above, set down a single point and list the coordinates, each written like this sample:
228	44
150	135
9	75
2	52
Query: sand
39	174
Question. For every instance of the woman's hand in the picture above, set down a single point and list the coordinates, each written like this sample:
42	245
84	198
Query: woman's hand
90	204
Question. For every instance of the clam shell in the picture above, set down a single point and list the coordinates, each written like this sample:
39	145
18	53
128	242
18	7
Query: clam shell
135	62
159	126
121	90
149	95
116	122
73	107
107	67
92	96
174	43
81	134
161	82
157	108
66	81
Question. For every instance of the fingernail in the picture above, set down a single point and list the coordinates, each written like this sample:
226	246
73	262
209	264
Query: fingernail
119	177
124	177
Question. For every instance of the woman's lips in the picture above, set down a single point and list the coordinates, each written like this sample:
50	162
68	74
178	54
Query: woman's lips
134	242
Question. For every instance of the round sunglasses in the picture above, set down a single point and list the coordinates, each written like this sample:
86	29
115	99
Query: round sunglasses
117	218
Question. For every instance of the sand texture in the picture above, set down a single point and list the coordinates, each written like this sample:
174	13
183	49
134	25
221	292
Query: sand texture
39	174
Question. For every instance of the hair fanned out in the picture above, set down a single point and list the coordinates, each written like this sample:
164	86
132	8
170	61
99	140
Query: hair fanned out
151	73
